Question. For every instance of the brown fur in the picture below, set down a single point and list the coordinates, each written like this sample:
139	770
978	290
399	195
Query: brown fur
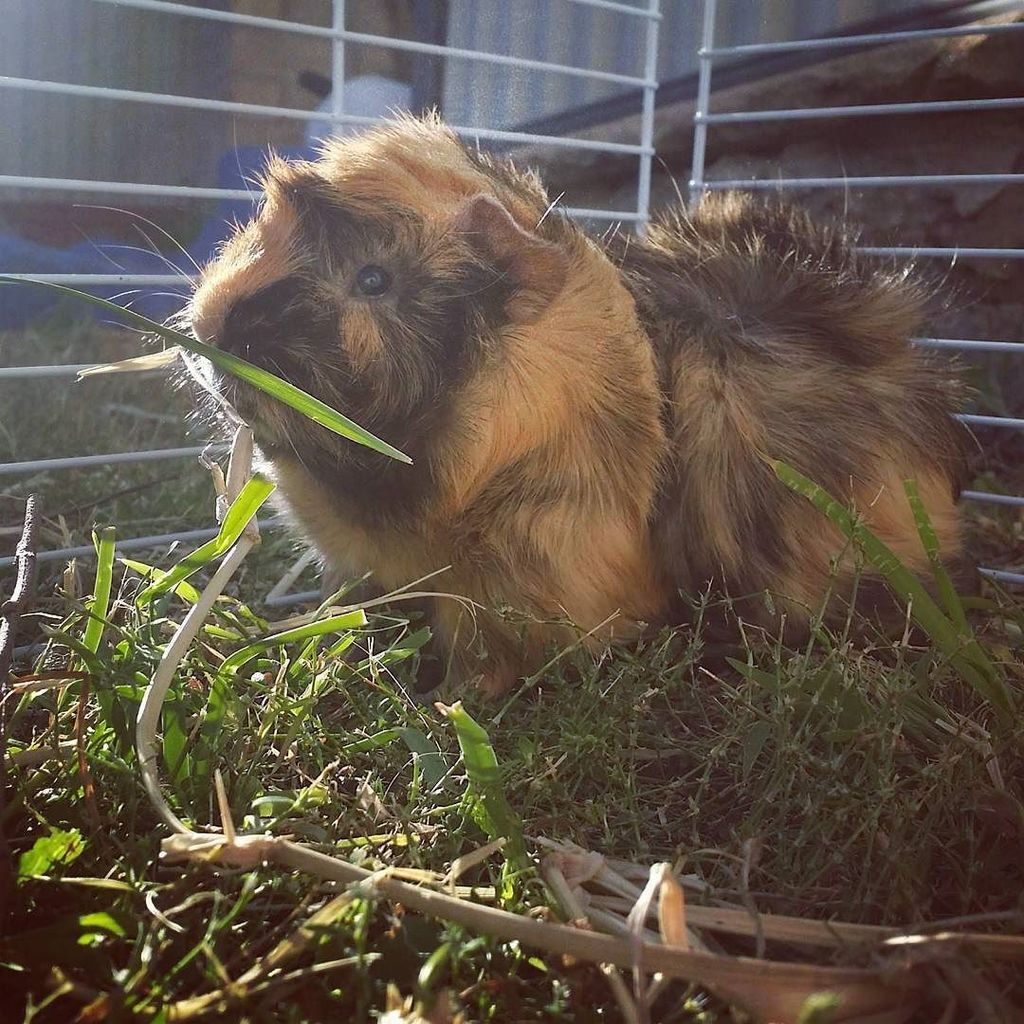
589	421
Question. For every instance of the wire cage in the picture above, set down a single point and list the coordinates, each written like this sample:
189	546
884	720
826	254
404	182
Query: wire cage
123	114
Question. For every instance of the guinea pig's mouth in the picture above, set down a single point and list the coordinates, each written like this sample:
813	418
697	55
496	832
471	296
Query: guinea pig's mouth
270	419
285	328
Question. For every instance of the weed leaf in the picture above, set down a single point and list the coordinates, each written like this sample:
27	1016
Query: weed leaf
429	760
56	850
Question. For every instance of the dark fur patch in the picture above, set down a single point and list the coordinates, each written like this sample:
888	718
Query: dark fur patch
757	299
263	328
439	332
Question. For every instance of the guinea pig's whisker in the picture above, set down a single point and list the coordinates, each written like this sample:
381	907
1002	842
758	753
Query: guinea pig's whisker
298	454
166	295
169	263
274	366
156	227
101	250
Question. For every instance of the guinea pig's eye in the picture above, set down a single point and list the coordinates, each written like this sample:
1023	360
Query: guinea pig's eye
373	280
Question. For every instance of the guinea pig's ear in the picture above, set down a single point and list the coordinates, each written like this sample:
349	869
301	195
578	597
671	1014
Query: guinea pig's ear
534	265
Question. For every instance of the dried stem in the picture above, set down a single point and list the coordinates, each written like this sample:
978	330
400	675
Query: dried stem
740	979
10	611
239	470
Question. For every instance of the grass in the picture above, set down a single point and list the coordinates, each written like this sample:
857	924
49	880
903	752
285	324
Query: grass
45	418
831	781
827	763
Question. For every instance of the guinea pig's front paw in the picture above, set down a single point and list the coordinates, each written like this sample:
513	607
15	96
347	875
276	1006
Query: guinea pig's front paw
496	680
433	671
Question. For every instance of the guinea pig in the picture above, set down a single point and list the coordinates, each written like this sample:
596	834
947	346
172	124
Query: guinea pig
589	418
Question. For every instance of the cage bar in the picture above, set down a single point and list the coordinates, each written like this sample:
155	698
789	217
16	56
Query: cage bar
191	192
611	5
864	39
339	32
700	123
98	280
137	543
643	192
1003	576
1008	422
338	60
861	110
112	459
128	544
1014	347
866	181
128	188
262	110
60	370
993	498
943	252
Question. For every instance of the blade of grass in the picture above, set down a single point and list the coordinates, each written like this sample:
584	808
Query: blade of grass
99	605
986	680
335	624
265	381
930	541
378	739
242	509
498	819
183	590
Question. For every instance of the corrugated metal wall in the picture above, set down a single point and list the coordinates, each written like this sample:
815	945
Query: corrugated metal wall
95	44
563	32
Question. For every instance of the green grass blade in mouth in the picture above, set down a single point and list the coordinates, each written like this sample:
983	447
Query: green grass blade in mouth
263	380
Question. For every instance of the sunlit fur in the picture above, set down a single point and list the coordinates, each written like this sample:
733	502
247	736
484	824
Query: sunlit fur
589	420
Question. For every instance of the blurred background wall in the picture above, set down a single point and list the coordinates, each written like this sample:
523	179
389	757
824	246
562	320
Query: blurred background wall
98	44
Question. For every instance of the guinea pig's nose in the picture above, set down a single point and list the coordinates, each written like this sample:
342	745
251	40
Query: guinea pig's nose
253	324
